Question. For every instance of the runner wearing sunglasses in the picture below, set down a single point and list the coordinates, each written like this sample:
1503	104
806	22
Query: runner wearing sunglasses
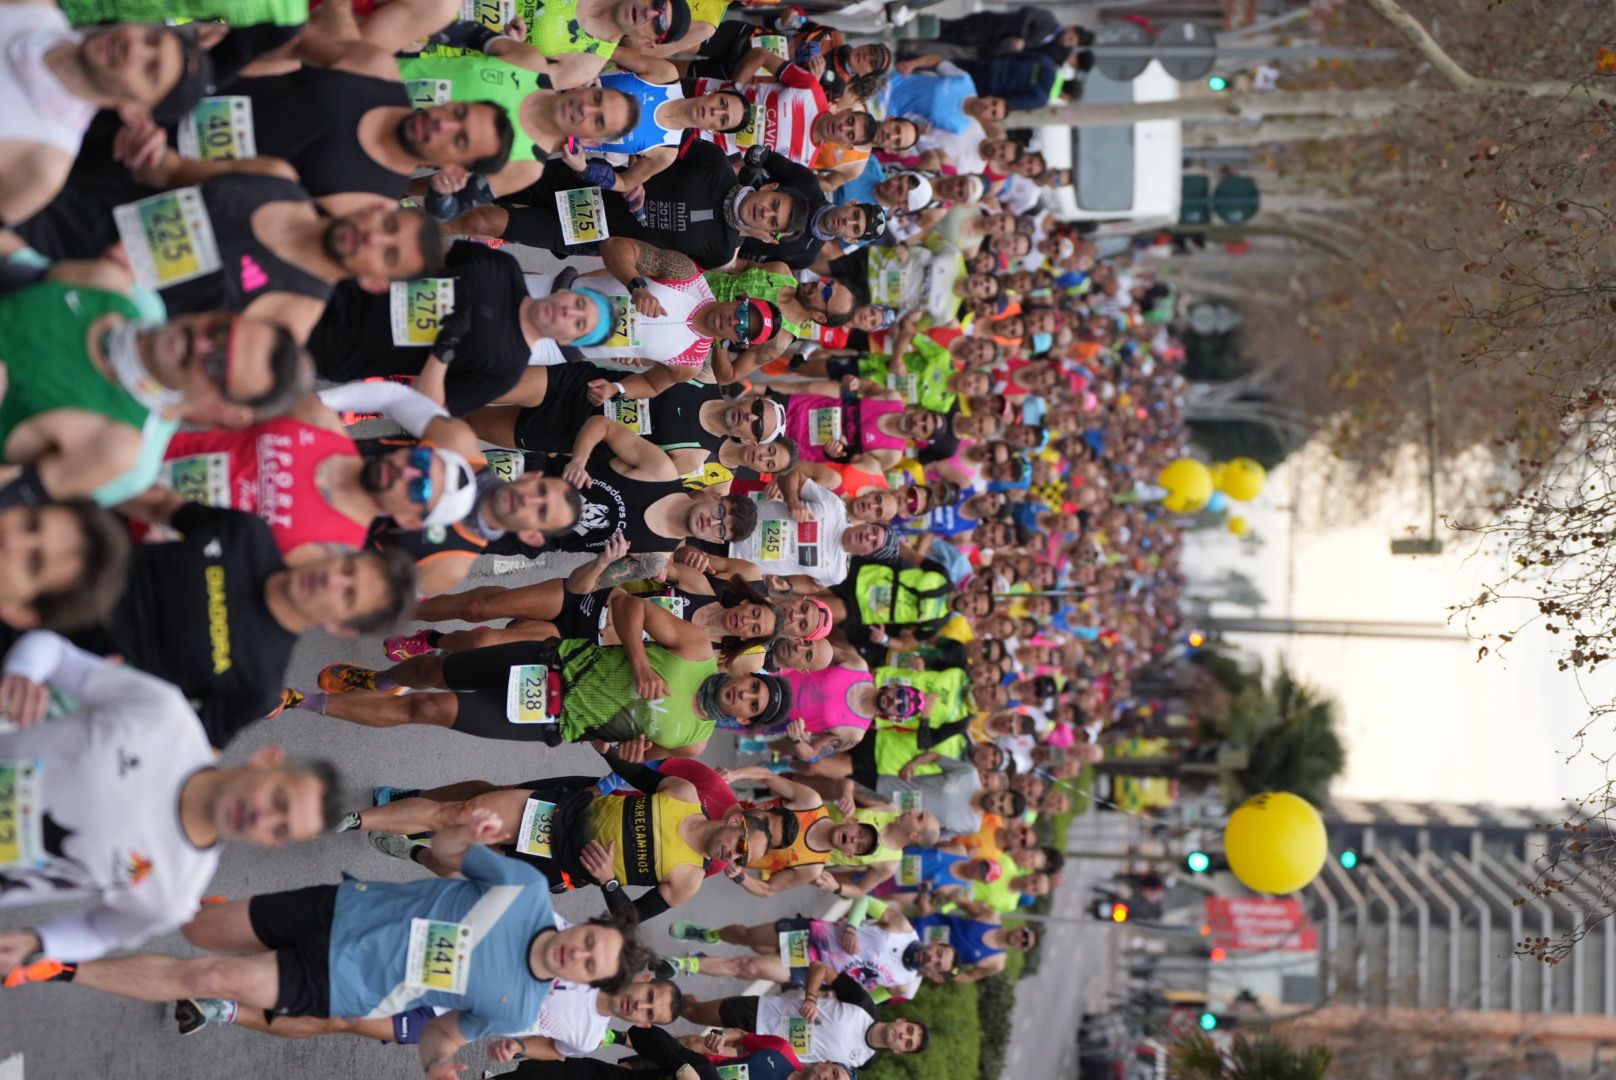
570	41
93	421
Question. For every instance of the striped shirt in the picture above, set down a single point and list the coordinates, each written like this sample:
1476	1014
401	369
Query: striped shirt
783	114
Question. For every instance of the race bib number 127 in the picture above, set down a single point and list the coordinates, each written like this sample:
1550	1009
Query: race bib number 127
219	129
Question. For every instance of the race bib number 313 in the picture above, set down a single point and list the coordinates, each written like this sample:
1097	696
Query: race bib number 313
800	1034
583	216
21	814
168	238
439	956
219	129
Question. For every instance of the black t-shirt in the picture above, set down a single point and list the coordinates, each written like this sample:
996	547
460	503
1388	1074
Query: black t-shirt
195	614
354	338
676	417
684	206
799	254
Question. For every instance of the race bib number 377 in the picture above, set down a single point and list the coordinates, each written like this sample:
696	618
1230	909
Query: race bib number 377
168	238
439	956
794	948
583	216
21	814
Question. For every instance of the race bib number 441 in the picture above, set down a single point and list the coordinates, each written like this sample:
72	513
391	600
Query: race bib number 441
439	956
417	309
21	814
219	129
583	216
168	238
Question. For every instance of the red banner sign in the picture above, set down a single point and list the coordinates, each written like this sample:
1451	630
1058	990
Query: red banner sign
1260	924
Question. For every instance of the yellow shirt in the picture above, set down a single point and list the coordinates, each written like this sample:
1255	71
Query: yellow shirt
645	829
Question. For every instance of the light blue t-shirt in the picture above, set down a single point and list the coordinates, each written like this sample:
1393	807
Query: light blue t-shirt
938	95
861	189
951	559
502	903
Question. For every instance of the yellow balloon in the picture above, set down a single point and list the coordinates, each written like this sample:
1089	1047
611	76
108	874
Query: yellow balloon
1188	484
1238	525
1275	842
1241	479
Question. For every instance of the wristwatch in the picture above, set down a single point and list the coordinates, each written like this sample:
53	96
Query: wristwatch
638	282
612	886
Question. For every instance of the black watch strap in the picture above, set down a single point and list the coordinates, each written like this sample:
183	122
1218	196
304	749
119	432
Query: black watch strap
638	282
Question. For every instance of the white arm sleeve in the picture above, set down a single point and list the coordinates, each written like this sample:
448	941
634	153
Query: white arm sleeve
86	935
49	658
409	408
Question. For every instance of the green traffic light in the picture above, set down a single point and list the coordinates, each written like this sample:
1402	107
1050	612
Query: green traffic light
1349	859
1208	1021
1218	82
1198	862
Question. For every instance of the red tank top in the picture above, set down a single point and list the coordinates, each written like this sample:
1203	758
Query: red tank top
268	469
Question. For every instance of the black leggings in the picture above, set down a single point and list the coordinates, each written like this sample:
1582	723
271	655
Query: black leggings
479	678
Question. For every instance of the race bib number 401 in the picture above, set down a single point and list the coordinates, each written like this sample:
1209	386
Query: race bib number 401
439	956
22	816
168	238
538	821
794	948
583	216
219	129
417	309
533	695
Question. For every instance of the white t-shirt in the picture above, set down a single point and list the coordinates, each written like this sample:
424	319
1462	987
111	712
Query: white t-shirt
38	107
878	961
571	1017
666	339
838	1034
107	782
963	150
782	545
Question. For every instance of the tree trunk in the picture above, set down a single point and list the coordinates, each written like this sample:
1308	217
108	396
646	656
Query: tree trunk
1268	132
1228	108
1460	79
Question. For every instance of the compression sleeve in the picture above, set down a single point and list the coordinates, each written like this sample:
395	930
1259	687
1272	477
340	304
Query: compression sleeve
668	1053
641	777
650	904
849	992
409	408
87	935
46	657
864	907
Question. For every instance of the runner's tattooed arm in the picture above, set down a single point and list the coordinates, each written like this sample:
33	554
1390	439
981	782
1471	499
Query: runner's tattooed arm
634	568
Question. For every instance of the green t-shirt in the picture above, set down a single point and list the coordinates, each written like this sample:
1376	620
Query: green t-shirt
930	366
757	282
944	689
433	80
880	819
600	701
552	28
43	342
234	12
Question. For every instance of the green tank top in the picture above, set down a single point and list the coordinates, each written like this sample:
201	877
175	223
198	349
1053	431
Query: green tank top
552	28
433	80
944	689
600	701
880	819
758	282
43	344
930	366
235	12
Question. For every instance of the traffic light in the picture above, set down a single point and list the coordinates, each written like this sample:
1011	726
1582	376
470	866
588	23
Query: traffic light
1349	859
1119	913
1218	954
1217	82
1209	1021
1199	862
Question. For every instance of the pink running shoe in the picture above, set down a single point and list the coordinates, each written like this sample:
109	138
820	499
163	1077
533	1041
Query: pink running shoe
400	649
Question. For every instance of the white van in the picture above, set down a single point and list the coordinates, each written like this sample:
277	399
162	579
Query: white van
1124	173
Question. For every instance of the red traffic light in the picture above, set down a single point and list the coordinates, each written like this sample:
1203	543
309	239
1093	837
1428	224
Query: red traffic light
1219	955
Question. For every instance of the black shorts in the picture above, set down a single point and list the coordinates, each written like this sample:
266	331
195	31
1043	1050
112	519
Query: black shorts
863	755
297	926
799	976
580	615
572	796
533	220
553	424
479	678
841	367
739	1012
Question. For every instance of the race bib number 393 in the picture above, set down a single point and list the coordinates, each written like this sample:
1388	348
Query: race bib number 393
417	309
794	948
168	238
439	956
538	821
533	695
21	814
583	216
219	129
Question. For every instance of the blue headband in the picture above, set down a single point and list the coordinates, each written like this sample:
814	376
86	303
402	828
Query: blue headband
603	325
1041	343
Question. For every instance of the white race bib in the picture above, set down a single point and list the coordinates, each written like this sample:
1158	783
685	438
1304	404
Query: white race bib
218	129
168	238
583	216
439	956
22	816
417	309
533	695
632	413
794	948
538	820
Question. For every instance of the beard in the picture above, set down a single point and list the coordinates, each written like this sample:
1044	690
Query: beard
370	476
406	139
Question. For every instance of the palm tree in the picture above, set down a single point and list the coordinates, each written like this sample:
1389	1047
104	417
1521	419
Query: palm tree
1265	1057
1289	730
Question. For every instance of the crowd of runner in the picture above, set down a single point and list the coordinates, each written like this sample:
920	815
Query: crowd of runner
850	434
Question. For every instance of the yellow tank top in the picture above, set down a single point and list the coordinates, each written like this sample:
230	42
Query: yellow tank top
645	829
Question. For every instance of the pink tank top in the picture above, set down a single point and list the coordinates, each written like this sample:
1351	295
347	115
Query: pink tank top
819	698
814	419
268	469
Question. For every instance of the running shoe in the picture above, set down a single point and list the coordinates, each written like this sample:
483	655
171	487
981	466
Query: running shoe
689	931
349	822
46	970
400	649
290	699
397	847
381	796
194	1014
340	678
